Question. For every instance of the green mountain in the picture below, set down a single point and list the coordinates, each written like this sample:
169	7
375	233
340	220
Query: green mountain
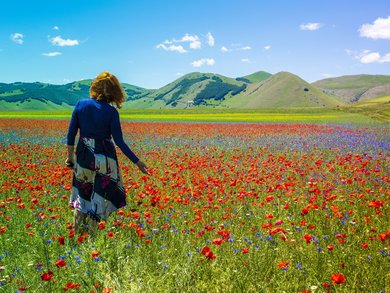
196	89
38	95
354	88
255	77
257	90
282	90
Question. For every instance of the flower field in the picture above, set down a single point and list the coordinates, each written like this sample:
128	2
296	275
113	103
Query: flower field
227	208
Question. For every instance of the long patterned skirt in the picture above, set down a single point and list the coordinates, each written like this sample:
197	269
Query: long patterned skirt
97	187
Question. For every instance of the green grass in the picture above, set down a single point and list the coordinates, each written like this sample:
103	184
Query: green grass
376	108
297	115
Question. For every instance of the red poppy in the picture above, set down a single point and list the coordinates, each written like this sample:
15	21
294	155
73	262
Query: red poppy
217	241
61	240
338	278
283	264
245	250
308	238
71	285
47	276
60	263
95	253
3	229
330	247
102	225
206	251
80	239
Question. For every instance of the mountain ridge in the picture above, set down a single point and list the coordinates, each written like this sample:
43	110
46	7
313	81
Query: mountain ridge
196	89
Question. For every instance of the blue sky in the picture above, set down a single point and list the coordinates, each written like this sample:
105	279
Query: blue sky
151	43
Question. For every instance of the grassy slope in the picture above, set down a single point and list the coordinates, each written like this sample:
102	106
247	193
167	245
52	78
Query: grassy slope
377	108
257	76
352	88
282	90
32	105
186	88
352	81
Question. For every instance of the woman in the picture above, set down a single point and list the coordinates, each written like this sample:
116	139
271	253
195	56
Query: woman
97	187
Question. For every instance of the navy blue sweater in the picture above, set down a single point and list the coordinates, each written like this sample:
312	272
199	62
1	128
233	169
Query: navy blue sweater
98	120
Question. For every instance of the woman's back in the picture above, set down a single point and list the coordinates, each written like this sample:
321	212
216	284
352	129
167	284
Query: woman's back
94	118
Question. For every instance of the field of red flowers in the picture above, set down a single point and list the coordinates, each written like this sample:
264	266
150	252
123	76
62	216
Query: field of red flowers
227	208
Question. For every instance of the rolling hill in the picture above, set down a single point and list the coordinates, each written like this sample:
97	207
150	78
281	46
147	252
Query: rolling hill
282	90
354	88
38	95
258	90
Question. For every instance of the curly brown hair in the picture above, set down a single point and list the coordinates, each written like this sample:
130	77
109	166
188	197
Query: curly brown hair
106	87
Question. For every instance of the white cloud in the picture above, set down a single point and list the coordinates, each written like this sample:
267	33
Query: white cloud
179	74
52	54
172	48
268	47
210	39
203	61
380	29
367	57
58	41
245	60
56	28
17	38
236	47
224	49
172	45
310	26
193	40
